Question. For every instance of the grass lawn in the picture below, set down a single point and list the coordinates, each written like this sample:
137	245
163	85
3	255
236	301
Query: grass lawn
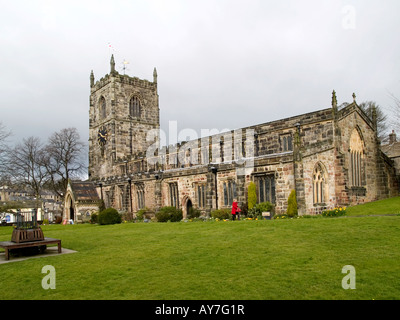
387	206
253	260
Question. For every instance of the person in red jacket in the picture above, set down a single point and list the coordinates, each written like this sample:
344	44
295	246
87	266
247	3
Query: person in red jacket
235	210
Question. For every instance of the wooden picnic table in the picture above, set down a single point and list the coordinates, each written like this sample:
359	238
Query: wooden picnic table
9	245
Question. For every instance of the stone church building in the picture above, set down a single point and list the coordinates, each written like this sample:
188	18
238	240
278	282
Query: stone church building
331	157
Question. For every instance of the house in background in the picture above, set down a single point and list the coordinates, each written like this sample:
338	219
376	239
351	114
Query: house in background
11	199
392	150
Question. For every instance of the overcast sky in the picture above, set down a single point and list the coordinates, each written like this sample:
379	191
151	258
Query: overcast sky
221	63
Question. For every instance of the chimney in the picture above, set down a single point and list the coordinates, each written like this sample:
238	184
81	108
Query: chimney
392	137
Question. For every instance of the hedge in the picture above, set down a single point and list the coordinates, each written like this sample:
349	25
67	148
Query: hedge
109	216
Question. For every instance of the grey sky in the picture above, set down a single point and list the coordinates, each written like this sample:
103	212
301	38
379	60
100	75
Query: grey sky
221	63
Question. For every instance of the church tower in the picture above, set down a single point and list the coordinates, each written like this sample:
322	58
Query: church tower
122	111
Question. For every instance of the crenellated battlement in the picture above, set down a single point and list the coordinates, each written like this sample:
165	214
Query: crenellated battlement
122	78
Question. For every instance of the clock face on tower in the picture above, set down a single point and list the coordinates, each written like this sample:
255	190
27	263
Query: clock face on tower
102	136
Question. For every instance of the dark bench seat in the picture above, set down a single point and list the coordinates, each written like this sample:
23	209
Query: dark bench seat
9	245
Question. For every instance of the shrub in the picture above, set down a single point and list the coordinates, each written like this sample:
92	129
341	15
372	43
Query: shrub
94	218
176	215
46	221
259	208
193	213
140	214
126	216
166	214
221	214
292	204
163	216
336	212
265	206
109	216
252	195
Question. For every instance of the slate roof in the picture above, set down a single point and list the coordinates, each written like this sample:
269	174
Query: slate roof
84	191
392	150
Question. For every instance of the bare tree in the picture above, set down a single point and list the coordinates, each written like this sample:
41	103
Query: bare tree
64	158
381	117
4	134
395	110
25	164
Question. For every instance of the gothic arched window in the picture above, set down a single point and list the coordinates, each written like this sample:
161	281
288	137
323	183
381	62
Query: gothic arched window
287	143
140	196
356	152
174	195
102	104
134	107
319	184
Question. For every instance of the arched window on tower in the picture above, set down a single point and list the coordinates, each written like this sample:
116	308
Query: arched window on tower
319	184
102	104
356	153
134	107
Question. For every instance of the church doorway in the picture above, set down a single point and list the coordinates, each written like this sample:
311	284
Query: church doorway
187	207
69	208
71	211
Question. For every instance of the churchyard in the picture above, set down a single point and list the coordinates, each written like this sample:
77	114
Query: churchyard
299	258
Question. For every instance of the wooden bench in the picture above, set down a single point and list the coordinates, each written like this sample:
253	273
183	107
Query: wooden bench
9	245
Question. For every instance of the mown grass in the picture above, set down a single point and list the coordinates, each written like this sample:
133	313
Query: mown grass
381	207
253	260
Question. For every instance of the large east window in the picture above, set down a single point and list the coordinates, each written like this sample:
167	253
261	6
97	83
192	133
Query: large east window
356	155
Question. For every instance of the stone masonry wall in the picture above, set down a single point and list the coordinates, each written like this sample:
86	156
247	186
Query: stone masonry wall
370	189
127	134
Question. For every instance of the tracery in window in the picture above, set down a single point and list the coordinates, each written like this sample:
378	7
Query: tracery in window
140	196
356	154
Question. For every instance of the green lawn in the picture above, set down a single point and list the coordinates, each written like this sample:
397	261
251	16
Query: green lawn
387	206
254	260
